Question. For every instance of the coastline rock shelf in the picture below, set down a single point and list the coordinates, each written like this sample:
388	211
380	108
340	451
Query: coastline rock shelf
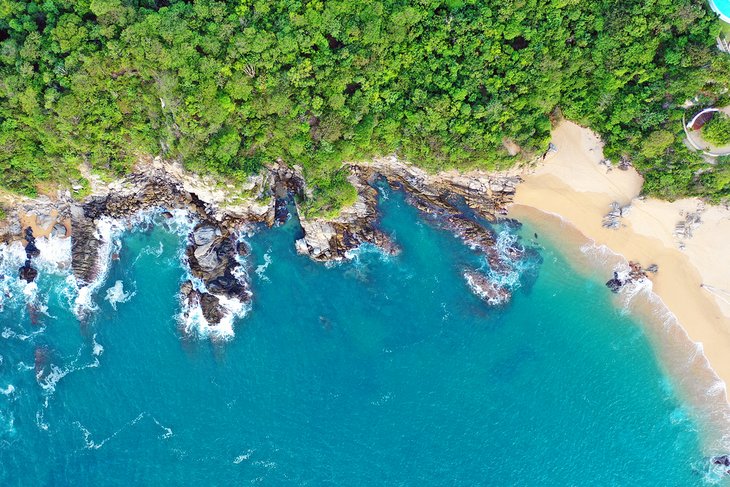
462	204
452	201
636	274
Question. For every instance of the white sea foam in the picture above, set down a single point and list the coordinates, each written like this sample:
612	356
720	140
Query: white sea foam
42	425
93	445
116	294
243	457
107	231
97	349
686	359
7	390
55	256
49	377
486	289
364	249
192	321
261	269
167	431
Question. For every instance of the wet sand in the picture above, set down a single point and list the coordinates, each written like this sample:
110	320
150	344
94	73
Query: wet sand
694	273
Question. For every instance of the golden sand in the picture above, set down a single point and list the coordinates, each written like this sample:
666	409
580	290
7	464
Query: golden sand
694	274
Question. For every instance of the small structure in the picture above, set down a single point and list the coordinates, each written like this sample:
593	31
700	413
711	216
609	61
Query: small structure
699	120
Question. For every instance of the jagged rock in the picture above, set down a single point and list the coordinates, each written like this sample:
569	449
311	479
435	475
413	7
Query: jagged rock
612	218
214	261
439	198
242	249
44	220
31	250
721	460
491	292
166	215
653	268
204	234
615	284
28	273
84	246
59	230
636	274
210	305
212	310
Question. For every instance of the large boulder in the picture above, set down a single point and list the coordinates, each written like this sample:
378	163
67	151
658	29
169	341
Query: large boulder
28	273
59	230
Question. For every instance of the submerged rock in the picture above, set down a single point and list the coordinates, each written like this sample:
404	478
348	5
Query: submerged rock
490	291
209	304
721	460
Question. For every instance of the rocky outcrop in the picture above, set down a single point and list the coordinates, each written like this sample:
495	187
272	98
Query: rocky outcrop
211	245
635	274
459	203
209	304
84	247
211	255
326	240
446	197
491	292
612	219
27	272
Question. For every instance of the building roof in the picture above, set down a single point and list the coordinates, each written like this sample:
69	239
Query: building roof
701	118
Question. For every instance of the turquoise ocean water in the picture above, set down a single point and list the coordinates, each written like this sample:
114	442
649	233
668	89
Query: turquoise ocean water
379	371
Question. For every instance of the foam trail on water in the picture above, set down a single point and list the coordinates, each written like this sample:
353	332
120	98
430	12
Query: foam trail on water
97	349
116	294
261	269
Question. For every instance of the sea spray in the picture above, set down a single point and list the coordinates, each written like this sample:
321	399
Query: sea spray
261	268
116	294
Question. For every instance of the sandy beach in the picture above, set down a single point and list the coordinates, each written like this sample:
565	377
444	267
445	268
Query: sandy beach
693	278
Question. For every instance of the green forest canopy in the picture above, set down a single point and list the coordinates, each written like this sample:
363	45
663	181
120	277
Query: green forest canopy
229	86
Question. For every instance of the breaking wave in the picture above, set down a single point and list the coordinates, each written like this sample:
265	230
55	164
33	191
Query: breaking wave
116	294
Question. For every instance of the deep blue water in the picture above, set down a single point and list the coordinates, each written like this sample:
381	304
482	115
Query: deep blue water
379	371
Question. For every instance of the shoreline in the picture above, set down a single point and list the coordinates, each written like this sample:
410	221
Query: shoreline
572	186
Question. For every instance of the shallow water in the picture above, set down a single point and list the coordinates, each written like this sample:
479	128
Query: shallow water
382	370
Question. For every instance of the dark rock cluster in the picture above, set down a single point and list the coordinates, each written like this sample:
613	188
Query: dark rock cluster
636	274
455	204
27	272
211	249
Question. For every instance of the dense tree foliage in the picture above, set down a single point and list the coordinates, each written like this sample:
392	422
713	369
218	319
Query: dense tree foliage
717	130
229	86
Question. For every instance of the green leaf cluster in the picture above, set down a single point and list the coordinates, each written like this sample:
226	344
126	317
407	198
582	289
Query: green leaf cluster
717	129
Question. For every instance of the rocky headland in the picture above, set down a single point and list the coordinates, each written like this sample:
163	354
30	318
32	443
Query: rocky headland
461	203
